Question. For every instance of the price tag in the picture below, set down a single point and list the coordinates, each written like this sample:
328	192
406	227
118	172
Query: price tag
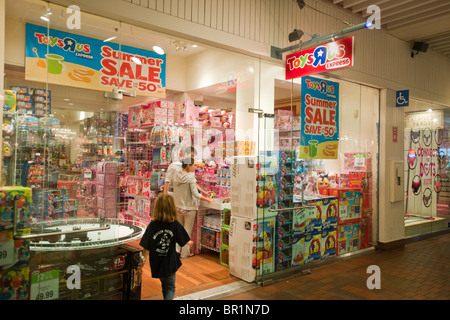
360	160
6	253
88	174
45	285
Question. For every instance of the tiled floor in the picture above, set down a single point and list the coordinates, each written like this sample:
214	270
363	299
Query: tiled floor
418	271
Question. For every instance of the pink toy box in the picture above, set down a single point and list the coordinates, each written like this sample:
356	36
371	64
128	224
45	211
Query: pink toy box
106	179
106	167
187	113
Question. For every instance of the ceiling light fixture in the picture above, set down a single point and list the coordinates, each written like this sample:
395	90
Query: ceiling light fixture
180	45
295	35
136	60
46	15
109	39
158	50
301	4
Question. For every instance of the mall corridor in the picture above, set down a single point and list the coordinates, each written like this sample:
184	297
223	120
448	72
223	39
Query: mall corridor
418	271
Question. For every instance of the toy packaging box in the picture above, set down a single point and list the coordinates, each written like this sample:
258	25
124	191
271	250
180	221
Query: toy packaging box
328	243
243	186
329	211
186	113
15	284
312	247
301	221
298	250
7	205
251	249
354	161
348	237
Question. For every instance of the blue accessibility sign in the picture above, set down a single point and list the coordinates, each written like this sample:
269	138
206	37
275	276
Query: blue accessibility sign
402	98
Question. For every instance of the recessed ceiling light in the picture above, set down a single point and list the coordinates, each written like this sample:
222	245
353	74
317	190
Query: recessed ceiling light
66	99
109	39
194	46
136	60
158	50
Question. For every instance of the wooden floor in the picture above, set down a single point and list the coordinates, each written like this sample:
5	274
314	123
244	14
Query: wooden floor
200	272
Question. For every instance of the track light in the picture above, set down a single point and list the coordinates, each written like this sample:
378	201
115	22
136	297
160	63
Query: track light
295	35
301	4
46	15
158	50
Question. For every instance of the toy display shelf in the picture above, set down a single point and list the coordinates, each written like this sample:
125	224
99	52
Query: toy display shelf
218	204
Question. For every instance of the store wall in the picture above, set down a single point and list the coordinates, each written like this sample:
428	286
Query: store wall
253	26
391	214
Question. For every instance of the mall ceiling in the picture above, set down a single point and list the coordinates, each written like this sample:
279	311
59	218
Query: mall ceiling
409	20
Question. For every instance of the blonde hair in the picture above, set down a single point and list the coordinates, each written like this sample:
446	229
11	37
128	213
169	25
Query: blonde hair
165	209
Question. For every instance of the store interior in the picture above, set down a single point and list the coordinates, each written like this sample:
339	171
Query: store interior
81	128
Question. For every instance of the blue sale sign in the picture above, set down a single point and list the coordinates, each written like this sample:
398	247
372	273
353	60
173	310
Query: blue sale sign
320	119
402	98
68	59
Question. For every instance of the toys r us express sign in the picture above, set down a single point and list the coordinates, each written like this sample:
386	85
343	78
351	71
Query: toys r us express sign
330	56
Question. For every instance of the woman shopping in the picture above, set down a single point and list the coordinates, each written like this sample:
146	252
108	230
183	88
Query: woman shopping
186	198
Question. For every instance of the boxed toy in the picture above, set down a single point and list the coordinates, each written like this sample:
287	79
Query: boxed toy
11	198
283	120
298	250
328	243
354	161
15	284
349	201
186	113
251	247
312	247
9	104
71	186
348	237
329	210
301	221
107	167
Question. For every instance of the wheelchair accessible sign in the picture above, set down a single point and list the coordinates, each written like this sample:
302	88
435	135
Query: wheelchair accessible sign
402	98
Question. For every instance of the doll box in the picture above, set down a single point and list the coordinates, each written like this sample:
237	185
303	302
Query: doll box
186	113
152	115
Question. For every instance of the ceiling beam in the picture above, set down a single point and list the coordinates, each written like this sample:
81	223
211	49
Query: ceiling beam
395	15
386	5
407	22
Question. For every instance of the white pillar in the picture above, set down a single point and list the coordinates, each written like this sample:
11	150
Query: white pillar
391	214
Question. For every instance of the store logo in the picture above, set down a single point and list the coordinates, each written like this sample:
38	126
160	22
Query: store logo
374	281
74	281
74	20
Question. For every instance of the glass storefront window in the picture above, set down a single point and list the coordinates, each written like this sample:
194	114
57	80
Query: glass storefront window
426	168
96	127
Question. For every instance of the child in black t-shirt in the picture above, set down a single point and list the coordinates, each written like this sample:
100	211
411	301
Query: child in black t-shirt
159	242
